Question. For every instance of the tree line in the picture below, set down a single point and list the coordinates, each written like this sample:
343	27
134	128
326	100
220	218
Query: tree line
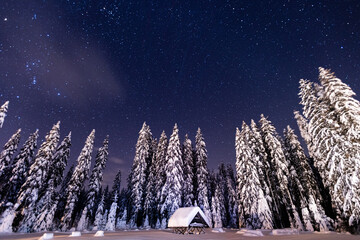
276	183
36	196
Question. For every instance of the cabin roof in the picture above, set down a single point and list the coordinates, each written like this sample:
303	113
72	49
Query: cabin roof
182	217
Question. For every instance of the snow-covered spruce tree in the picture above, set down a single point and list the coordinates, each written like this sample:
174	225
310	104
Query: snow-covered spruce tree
99	215
279	173
321	124
188	163
149	206
303	184
232	198
76	183
295	186
160	175
333	116
150	203
116	187
3	111
263	166
320	128
344	106
303	125
202	174
254	211
6	155
107	200
60	160
172	189
123	201
121	196
211	186
62	196
94	186
221	182
216	208
20	170
104	219
111	220
35	183
346	110
327	145
121	221
139	174
45	219
47	203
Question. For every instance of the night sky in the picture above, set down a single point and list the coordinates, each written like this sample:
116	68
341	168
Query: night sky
111	65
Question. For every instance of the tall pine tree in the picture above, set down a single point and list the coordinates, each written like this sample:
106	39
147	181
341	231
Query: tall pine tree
188	163
303	185
150	203
110	224
172	189
116	187
139	174
6	155
278	177
333	117
47	203
62	196
76	183
99	215
60	160
94	185
45	219
254	211
201	194
3	111
217	208
160	174
232	198
345	170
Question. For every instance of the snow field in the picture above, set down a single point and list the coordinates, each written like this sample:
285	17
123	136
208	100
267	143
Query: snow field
230	234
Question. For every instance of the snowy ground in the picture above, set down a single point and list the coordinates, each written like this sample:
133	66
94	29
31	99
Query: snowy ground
161	234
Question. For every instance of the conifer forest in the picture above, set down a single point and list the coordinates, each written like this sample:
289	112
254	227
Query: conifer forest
276	179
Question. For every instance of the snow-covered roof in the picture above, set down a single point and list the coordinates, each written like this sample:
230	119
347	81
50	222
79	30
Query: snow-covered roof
182	217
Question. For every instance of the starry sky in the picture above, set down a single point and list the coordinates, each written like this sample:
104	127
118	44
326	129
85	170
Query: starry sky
111	65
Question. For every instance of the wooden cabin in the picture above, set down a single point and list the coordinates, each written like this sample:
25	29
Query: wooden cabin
189	220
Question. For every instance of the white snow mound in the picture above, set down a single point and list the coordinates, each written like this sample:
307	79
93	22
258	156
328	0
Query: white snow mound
241	231
250	233
218	230
46	236
325	232
75	234
285	231
99	234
